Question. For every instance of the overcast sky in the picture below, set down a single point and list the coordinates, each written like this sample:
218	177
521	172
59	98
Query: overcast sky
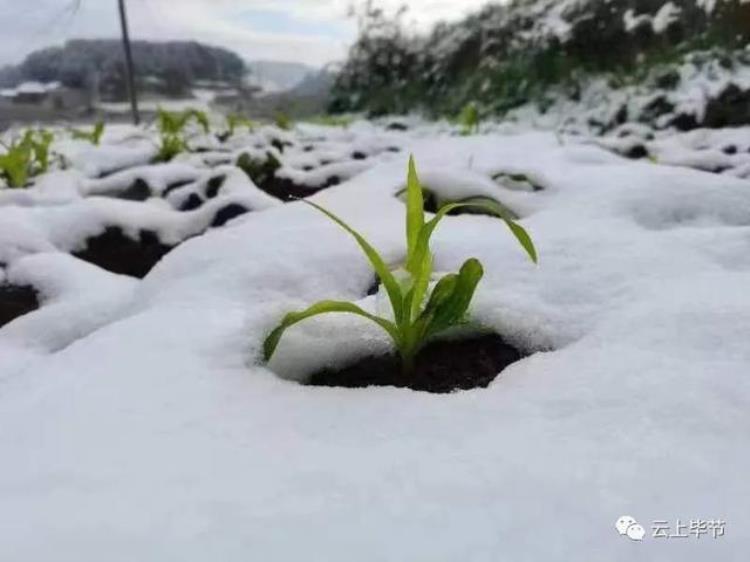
309	31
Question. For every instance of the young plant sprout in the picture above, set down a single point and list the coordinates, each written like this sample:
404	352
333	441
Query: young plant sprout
235	121
94	136
469	119
26	157
332	120
171	125
40	141
282	121
419	313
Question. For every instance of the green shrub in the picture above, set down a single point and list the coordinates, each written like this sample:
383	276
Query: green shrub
419	313
506	54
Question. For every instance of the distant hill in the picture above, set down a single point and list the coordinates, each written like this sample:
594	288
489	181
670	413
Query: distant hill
275	76
171	67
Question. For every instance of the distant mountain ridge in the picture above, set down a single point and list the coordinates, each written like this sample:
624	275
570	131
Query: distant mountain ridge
275	76
173	66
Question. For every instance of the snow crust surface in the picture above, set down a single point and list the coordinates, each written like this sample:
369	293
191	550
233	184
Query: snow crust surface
137	421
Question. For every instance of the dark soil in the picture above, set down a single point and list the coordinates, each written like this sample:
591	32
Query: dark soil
431	206
15	301
263	174
729	109
287	190
396	126
214	185
636	152
374	287
684	122
115	252
175	185
280	145
227	213
441	367
191	203
138	191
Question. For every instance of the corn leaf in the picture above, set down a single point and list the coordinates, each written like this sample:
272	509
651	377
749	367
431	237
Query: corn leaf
523	238
451	299
420	284
323	307
414	216
423	243
381	269
96	135
200	117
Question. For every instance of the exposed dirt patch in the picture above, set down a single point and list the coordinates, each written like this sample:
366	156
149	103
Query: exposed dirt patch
432	205
175	185
139	190
15	301
214	185
115	252
441	367
287	190
227	213
192	202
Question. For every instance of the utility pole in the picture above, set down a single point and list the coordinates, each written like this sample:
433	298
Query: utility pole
129	64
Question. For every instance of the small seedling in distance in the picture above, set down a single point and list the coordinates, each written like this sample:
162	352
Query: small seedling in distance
171	125
94	136
469	119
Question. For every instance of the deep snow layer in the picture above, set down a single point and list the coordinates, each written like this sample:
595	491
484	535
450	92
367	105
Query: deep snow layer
137	423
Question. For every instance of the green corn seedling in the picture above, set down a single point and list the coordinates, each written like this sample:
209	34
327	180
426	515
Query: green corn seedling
235	121
419	311
332	120
26	157
40	144
15	164
282	121
171	125
94	136
469	119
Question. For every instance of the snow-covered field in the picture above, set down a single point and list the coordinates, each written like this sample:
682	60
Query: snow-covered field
137	421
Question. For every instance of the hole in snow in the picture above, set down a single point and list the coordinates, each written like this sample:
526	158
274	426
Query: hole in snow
442	366
139	190
214	185
114	251
227	213
433	203
15	301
